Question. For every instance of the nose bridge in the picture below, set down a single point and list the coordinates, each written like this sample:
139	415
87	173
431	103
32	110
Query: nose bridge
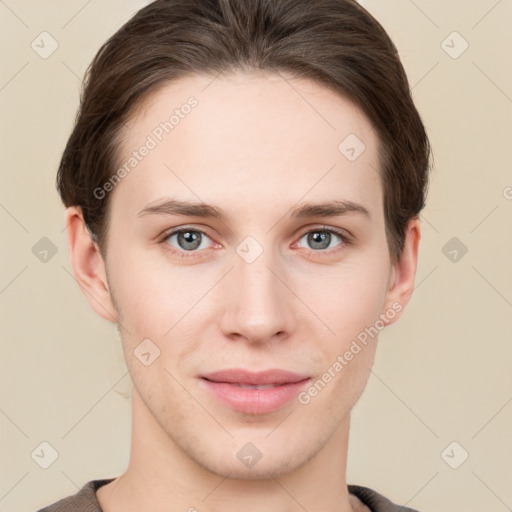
258	306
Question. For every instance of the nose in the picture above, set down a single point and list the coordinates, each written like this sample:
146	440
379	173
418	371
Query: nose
258	305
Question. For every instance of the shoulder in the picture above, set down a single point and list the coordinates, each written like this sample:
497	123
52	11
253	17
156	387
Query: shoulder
376	502
83	501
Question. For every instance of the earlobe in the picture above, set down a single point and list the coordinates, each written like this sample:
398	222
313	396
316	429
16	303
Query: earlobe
403	273
88	265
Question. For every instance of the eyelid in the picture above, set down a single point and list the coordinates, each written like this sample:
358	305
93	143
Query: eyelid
174	231
346	238
342	233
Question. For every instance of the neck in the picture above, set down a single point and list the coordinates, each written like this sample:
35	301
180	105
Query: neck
161	477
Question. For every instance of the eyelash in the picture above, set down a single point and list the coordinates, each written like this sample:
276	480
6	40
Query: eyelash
193	254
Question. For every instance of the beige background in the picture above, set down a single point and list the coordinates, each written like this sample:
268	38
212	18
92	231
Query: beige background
442	373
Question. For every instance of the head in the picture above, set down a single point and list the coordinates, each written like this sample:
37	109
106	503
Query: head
259	112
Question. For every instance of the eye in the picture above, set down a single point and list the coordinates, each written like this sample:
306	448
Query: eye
322	239
185	240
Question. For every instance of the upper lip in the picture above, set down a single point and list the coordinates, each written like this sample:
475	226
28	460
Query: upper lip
241	376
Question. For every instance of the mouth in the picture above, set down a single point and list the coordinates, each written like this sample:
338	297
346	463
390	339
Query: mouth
254	393
271	377
255	386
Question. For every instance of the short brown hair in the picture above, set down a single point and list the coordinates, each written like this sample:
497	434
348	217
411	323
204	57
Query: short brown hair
334	42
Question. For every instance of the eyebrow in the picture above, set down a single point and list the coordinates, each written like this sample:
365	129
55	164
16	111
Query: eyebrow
190	209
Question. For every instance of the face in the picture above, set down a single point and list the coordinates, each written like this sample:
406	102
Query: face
264	283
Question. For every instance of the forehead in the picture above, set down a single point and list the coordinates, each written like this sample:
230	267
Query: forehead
260	135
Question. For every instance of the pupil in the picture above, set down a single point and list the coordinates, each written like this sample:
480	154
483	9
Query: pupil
189	237
320	238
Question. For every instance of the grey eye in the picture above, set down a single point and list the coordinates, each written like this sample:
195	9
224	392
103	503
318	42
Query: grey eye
188	239
320	239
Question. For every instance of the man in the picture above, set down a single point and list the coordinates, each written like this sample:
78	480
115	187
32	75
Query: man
243	186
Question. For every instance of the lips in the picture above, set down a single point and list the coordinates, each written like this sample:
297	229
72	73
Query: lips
254	392
273	377
255	386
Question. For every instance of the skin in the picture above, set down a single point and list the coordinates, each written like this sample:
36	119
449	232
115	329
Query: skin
255	146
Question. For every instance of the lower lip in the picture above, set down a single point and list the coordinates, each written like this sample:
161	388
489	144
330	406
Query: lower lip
255	401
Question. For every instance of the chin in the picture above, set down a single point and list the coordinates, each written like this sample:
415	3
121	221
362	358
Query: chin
271	462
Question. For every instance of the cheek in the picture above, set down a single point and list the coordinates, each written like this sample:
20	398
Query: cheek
351	310
161	303
348	298
151	294
156	298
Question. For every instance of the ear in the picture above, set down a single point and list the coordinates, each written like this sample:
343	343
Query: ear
88	265
402	275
